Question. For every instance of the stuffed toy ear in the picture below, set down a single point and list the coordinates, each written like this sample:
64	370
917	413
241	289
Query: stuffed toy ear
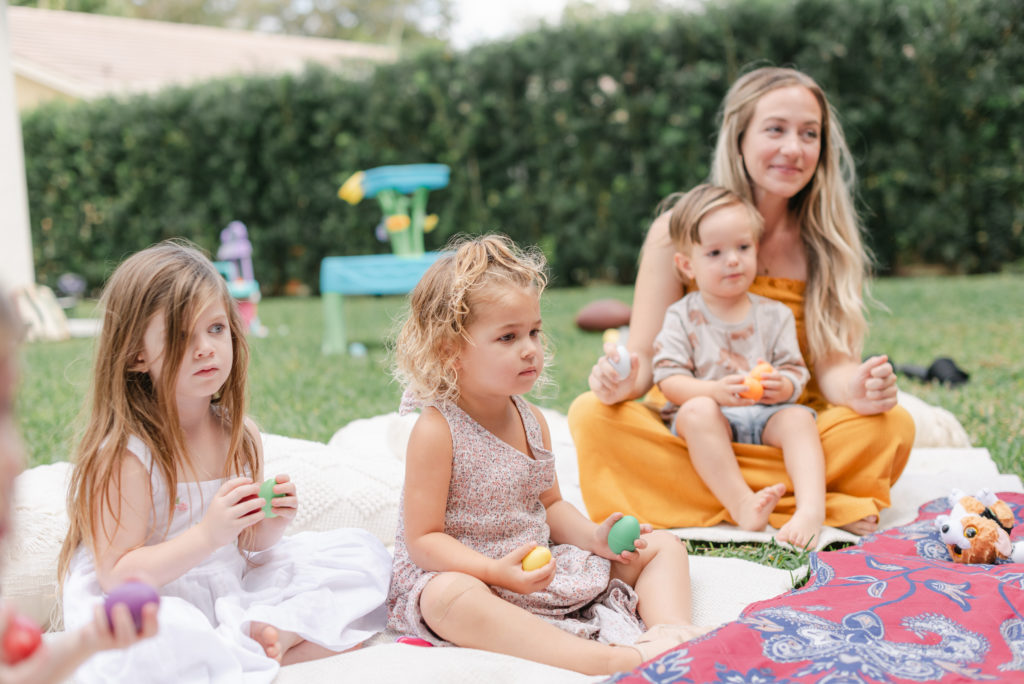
1003	545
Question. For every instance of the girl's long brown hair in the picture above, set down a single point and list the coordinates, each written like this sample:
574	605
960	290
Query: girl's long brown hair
176	281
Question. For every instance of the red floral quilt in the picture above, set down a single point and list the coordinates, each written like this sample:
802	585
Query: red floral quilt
893	608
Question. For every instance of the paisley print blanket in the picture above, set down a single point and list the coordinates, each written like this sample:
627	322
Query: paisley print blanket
894	608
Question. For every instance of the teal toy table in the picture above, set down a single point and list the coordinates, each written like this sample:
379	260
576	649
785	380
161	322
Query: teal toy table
373	274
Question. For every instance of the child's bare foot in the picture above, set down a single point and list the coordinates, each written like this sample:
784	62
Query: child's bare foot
275	644
801	529
866	525
753	511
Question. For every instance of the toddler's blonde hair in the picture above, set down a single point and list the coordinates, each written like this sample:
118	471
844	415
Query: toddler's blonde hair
471	272
690	208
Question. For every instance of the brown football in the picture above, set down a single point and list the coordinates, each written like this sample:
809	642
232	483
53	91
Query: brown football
602	314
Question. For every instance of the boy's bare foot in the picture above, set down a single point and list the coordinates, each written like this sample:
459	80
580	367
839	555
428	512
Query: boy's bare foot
753	511
866	525
801	529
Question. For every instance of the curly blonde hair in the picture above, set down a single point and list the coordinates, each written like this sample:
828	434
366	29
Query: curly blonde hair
838	263
177	281
471	272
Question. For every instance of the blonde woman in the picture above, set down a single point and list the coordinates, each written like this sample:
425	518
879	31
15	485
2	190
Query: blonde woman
779	146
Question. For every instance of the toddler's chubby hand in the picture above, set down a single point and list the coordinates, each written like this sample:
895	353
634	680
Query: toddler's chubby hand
602	548
509	573
727	391
235	506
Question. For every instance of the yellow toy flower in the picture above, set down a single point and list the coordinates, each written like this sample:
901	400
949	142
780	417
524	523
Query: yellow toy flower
396	223
429	223
352	190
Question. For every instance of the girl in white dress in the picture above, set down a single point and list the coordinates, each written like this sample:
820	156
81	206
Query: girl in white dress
166	488
481	491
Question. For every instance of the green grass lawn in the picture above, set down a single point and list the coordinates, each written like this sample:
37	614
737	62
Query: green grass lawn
296	391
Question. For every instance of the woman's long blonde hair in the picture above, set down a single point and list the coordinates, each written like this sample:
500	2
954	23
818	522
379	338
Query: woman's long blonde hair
837	260
177	281
472	272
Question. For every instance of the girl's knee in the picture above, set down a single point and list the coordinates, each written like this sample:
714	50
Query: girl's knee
441	593
664	542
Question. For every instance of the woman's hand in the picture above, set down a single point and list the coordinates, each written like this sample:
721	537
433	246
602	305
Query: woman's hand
604	380
601	548
508	572
872	387
228	514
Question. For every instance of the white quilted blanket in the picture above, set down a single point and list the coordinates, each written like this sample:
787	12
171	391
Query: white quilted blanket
355	480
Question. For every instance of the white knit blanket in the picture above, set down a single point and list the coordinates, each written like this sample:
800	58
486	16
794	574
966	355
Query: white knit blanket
355	481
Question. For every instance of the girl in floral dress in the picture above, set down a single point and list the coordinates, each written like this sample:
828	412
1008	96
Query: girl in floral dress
481	492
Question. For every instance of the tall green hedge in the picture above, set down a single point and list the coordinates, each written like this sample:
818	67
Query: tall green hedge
564	137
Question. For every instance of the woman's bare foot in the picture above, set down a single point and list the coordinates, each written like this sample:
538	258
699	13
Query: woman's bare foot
866	525
801	529
275	644
753	511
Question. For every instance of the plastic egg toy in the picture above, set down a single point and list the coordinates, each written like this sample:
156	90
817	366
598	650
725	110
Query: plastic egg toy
134	595
413	641
267	493
623	535
754	389
762	368
623	365
21	639
537	558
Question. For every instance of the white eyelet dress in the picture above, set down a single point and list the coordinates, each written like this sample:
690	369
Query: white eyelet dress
329	587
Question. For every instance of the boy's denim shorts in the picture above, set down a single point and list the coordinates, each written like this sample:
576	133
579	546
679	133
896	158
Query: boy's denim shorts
747	422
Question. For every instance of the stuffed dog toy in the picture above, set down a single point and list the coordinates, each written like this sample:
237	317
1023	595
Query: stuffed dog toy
977	529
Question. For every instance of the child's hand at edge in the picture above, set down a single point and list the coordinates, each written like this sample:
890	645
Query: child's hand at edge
601	547
228	515
508	572
58	656
99	635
